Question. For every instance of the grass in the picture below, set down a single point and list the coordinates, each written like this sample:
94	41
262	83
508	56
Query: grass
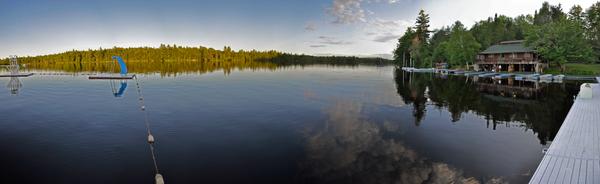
576	69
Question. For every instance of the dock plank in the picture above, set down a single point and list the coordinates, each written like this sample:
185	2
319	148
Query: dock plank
574	155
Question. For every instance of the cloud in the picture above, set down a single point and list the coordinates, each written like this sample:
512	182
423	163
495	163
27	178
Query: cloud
388	1
310	27
384	24
347	11
384	30
386	37
333	41
351	11
317	46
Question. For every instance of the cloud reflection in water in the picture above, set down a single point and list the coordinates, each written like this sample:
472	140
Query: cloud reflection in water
348	148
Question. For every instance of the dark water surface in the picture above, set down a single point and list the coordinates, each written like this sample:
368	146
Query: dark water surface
313	124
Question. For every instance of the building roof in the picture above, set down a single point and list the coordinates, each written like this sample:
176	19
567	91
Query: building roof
515	46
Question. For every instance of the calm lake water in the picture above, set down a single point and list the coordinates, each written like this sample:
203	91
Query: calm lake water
312	124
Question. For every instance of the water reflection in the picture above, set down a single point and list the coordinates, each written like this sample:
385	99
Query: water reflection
122	87
13	85
541	106
165	68
294	125
348	148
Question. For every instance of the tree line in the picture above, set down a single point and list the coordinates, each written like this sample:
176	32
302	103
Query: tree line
557	36
171	59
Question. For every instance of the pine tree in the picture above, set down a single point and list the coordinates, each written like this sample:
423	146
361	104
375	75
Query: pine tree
422	26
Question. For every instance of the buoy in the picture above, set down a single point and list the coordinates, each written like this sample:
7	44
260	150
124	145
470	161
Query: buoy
159	179
141	98
150	138
143	107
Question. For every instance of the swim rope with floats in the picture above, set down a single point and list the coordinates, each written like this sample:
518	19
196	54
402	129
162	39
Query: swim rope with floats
158	177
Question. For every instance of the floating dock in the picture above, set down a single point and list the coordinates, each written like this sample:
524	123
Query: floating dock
111	77
574	155
17	75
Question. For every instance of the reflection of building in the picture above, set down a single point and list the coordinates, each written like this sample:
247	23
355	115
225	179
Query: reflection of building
509	87
511	56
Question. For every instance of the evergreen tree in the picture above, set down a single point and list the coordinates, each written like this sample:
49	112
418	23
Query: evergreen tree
422	26
402	52
419	49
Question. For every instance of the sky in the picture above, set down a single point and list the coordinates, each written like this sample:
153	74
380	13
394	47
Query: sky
316	27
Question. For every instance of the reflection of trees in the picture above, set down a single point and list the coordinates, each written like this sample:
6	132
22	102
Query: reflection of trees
412	88
164	68
349	149
543	114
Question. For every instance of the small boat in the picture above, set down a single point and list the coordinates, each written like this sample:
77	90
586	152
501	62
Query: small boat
458	72
520	77
546	77
533	76
408	69
473	73
559	77
487	74
423	70
503	76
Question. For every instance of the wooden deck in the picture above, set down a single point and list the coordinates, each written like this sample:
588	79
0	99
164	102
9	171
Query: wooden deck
17	75
574	155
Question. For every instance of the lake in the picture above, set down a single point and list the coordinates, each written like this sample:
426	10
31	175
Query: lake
295	124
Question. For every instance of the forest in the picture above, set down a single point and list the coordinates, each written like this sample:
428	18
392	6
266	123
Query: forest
172	59
559	37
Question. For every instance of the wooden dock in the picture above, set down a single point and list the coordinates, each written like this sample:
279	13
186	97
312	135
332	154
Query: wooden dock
17	75
574	155
111	77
